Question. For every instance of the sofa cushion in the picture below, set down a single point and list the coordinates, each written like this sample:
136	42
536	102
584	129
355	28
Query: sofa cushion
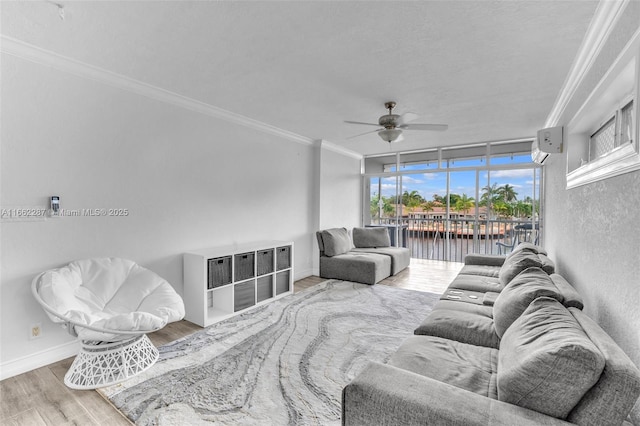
367	268
483	270
484	259
474	328
610	400
469	367
571	298
476	283
547	264
546	361
519	293
486	311
517	263
526	246
336	241
400	256
371	237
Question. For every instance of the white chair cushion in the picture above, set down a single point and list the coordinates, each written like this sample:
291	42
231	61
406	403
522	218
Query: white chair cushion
112	294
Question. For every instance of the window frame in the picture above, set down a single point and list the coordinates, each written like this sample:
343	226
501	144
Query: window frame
614	117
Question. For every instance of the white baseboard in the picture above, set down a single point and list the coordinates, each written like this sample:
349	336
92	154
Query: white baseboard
38	359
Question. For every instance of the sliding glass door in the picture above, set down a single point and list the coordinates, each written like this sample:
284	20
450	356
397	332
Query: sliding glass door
443	204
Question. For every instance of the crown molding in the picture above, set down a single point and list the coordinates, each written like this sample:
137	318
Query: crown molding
603	22
29	52
338	149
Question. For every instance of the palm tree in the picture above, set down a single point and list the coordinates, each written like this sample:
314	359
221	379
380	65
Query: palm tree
428	206
507	193
490	194
453	200
522	208
489	198
501	208
412	199
464	203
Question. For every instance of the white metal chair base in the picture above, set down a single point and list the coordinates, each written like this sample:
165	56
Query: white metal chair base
101	364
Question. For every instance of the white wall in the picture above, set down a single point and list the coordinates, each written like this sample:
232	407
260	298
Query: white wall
340	189
592	232
188	180
339	192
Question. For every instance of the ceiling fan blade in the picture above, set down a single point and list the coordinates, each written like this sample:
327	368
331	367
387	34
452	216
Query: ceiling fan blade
407	117
424	126
360	122
362	134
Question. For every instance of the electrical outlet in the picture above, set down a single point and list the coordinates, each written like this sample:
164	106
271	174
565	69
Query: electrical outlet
36	331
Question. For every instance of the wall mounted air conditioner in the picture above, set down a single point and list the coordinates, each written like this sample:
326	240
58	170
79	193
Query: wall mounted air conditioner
549	141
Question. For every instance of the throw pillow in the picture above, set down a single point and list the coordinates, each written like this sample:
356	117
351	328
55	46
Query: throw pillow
546	361
336	241
518	294
371	237
517	263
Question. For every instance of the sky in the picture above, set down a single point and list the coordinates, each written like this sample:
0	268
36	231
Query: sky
462	182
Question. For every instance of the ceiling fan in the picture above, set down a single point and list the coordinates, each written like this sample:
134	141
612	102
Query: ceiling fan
393	125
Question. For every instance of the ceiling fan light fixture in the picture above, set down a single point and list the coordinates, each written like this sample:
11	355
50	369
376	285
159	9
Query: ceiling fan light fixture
392	125
390	135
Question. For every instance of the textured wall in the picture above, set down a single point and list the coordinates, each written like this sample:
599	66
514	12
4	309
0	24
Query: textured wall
593	231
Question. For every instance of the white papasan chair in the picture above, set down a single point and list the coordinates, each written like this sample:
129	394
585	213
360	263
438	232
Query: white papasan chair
109	304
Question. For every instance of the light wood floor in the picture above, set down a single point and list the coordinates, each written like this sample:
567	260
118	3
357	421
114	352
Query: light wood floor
39	397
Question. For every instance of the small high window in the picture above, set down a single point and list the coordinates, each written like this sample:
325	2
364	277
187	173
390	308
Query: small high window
602	138
613	134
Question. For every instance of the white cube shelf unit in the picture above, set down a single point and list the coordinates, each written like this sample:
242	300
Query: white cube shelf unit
223	281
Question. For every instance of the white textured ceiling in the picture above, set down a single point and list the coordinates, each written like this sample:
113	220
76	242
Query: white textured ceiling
489	69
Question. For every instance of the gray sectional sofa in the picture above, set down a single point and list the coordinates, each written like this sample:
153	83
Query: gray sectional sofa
368	259
507	344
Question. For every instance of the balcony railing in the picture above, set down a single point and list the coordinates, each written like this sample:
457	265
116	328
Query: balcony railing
453	239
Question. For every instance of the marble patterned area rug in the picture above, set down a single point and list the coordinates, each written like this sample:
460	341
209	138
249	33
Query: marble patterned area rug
282	363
